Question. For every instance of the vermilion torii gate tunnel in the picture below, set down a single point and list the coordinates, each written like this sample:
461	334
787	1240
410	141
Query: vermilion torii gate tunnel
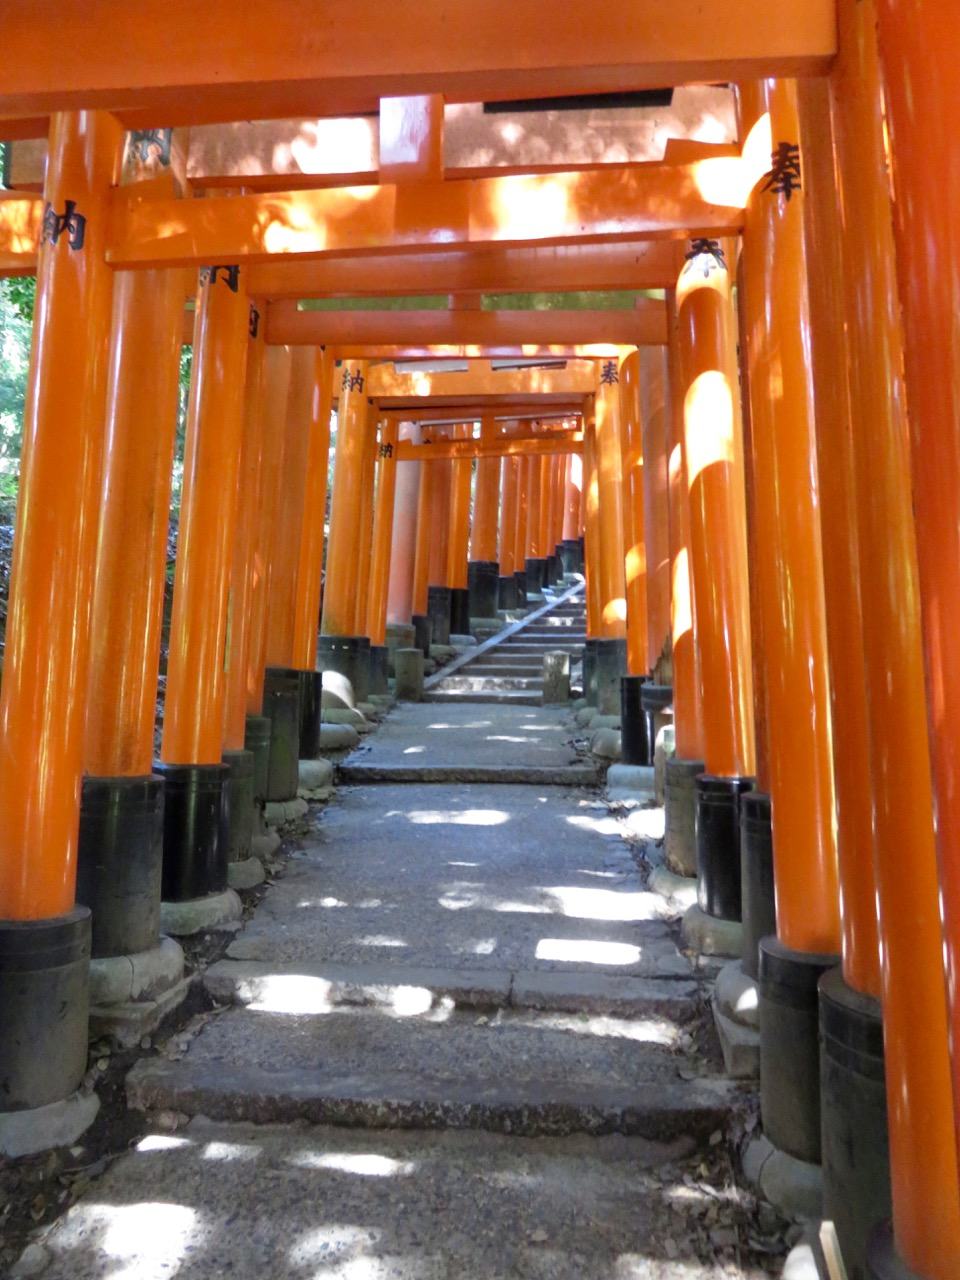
756	465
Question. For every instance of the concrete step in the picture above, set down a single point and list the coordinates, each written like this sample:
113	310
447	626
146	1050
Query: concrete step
513	697
515	1072
465	680
539	775
505	670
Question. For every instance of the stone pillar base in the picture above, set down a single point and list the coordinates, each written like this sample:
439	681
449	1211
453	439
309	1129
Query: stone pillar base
736	1014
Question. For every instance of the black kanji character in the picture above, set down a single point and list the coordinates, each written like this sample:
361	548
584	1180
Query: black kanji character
254	322
143	141
784	176
231	277
608	374
386	450
712	250
55	224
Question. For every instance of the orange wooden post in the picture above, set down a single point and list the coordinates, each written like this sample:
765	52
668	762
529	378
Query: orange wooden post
438	539
591	513
457	571
429	478
250	493
559	499
635	562
343	646
507	597
546	506
306	613
908	569
276	386
656	516
44	690
713	450
288	525
520	533
383	533
195	852
682	770
534	562
402	588
612	640
361	621
791	597
484	570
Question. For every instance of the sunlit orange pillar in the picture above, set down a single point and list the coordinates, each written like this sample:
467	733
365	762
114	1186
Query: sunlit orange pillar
632	462
591	515
306	605
438	526
44	689
195	856
361	619
457	571
429	478
559	498
535	556
276	377
572	513
656	516
791	597
612	638
520	533
912	429
343	647
402	587
383	532
288	525
713	450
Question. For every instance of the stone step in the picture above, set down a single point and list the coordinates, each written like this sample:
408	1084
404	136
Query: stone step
507	669
512	1072
512	697
574	775
467	680
386	986
529	648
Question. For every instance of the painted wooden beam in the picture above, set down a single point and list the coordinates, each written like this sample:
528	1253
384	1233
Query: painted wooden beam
506	446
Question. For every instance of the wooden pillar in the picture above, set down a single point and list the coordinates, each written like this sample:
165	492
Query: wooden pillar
909	574
459	535
591	510
483	540
306	601
654	394
790	562
382	534
573	491
426	534
613	605
402	587
43	697
349	477
713	455
364	563
509	497
635	559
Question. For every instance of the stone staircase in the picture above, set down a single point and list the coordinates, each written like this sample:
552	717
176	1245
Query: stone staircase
508	667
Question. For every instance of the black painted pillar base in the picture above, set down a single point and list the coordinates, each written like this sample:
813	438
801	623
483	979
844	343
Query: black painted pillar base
483	578
718	844
44	1008
195	834
555	562
119	862
590	671
423	632
520	578
459	611
655	699
790	1047
349	656
853	1105
883	1261
239	803
311	713
379	658
536	570
570	555
634	734
757	896
680	815
281	702
611	666
507	592
256	739
438	611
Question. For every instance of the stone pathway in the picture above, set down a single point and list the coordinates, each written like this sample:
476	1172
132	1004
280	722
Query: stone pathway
456	1040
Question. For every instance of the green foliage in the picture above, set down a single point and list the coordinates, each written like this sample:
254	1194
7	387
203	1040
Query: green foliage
16	317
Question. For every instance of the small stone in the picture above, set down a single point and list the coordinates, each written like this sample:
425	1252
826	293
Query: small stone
716	1138
146	1043
538	1236
33	1260
670	1247
102	1064
168	1121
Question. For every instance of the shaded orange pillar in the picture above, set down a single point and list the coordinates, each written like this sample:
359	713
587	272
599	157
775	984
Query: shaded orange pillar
591	513
544	537
276	386
350	476
656	515
459	536
440	498
687	714
382	534
141	421
789	556
523	513
426	500
509	498
559	469
306	600
909	574
573	491
288	525
613	605
486	504
402	587
713	455
534	491
196	683
250	494
44	690
635	559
